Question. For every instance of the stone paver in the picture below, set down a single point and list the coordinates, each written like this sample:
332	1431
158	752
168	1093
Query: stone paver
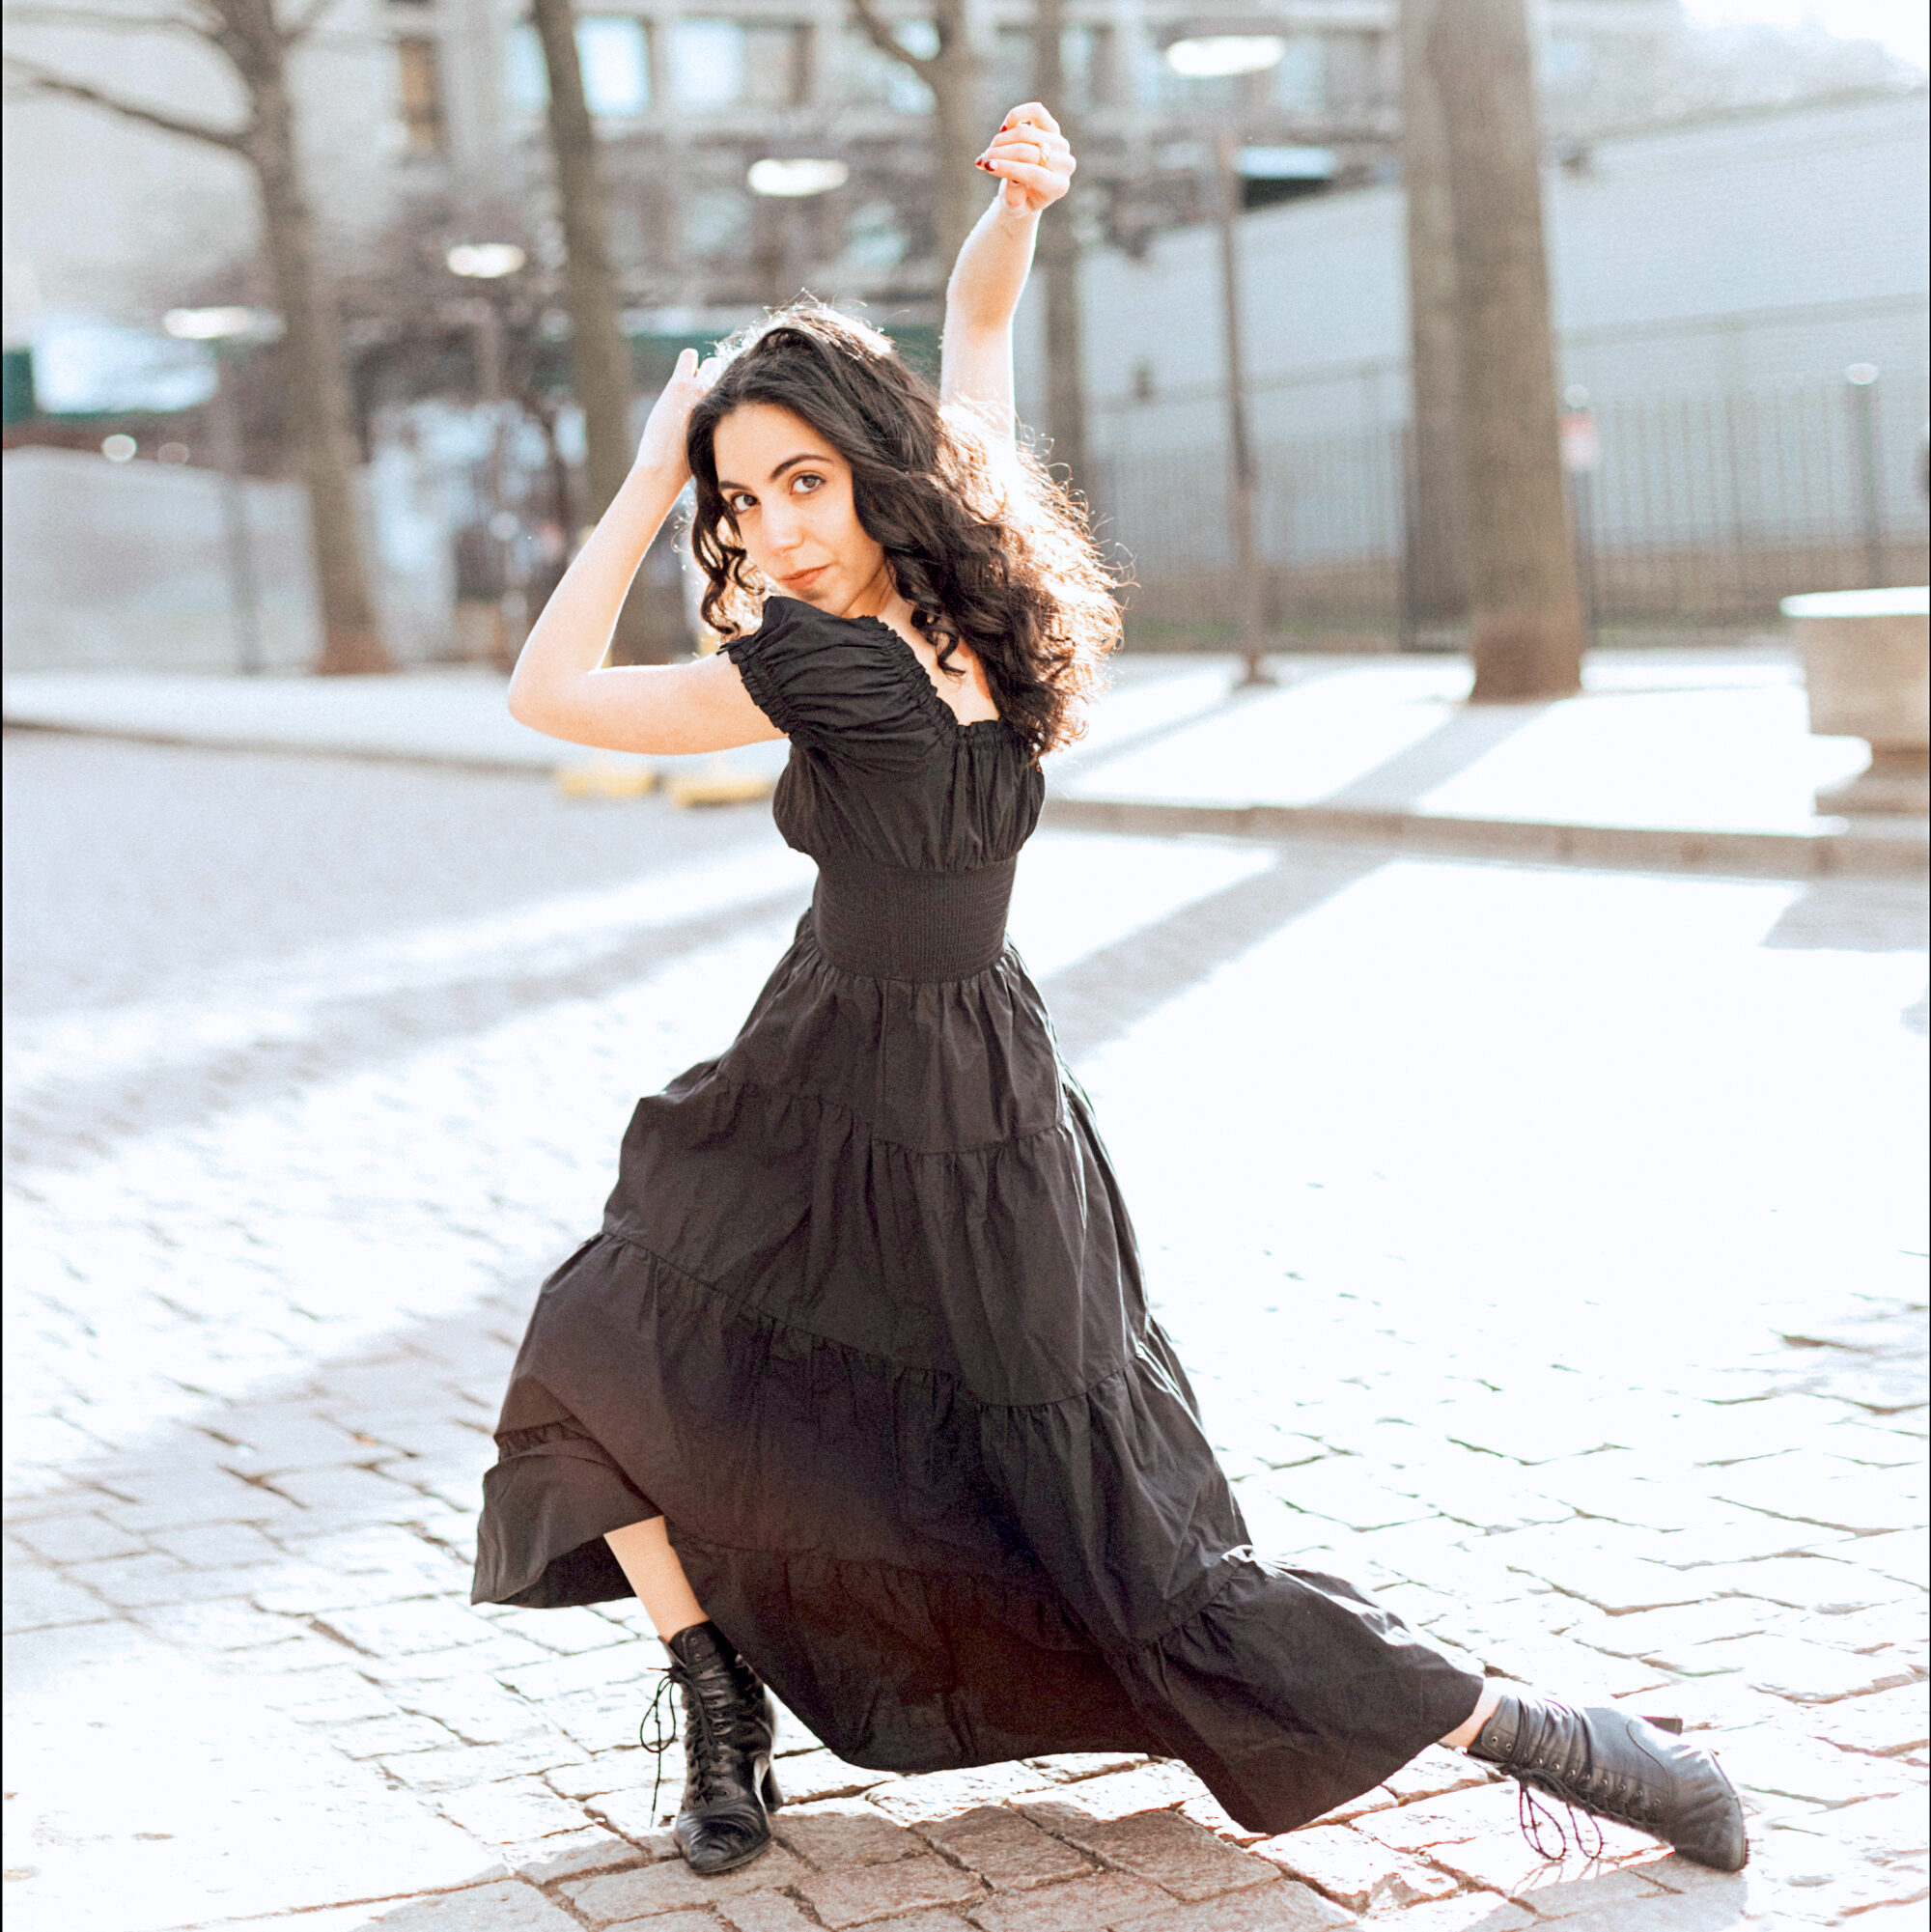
1541	1244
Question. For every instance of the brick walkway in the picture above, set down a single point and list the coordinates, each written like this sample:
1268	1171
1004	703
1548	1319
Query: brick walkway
1537	1238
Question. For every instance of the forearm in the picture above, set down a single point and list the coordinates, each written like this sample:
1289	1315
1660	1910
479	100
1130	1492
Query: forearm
976	351
574	632
990	273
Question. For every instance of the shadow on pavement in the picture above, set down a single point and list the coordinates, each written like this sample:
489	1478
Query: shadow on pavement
1465	737
354	1033
1081	757
1861	915
1109	991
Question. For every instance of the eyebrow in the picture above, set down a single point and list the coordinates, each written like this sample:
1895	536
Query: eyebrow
790	462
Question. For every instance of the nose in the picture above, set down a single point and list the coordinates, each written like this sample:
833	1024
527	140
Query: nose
783	528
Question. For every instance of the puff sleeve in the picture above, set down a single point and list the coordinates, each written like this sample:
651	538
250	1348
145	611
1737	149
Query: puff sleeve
850	687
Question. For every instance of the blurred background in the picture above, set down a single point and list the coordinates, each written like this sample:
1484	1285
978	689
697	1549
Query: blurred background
327	326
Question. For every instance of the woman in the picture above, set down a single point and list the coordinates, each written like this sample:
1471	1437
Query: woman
857	1390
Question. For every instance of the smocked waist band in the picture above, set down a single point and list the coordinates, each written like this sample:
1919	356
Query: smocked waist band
889	923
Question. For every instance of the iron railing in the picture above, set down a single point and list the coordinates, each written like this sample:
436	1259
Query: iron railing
1702	512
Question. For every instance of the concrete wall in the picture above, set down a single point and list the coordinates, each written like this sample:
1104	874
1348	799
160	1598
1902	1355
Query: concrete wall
1741	253
125	565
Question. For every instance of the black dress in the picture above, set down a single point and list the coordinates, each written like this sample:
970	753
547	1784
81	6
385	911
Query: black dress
865	1324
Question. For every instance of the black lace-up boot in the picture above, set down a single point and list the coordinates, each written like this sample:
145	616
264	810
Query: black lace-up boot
729	1727
1628	1768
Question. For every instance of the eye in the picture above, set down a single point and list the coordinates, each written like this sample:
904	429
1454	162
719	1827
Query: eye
805	482
738	501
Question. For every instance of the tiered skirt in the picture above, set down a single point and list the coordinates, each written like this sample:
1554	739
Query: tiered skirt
865	1325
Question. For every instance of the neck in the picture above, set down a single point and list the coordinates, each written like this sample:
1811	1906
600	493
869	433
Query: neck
879	597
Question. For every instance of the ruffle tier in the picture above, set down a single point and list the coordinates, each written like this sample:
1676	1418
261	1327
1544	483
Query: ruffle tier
929	1579
865	1325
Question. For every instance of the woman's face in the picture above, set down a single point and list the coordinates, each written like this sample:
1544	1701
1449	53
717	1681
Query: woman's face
789	494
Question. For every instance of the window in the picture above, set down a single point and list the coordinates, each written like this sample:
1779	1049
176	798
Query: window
706	62
419	96
526	79
735	64
1567	59
1010	71
1157	86
875	244
1353	80
1083	56
1301	80
1088	55
616	64
869	79
717	220
611	49
773	67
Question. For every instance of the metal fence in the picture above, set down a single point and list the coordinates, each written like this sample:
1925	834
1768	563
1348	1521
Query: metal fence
1699	511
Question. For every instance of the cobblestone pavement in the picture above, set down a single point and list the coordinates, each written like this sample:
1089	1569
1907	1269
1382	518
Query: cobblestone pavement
1541	1240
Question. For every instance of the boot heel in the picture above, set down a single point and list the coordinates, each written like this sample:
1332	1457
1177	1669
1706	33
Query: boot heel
768	1789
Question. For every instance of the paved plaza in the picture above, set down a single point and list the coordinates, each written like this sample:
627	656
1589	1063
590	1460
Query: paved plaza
1546	1241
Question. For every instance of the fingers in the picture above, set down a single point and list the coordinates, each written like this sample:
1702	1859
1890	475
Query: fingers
691	370
1031	115
1033	161
1043	184
1038	146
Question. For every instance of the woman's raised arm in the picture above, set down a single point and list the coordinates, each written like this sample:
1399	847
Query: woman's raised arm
561	685
1034	166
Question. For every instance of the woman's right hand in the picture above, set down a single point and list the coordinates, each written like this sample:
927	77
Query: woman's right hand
661	449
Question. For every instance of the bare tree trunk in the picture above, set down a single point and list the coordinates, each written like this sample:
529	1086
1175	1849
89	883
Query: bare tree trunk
1437	537
648	630
1058	257
256	44
959	189
351	641
1526	627
957	137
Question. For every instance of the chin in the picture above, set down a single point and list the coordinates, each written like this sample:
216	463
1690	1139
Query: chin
821	593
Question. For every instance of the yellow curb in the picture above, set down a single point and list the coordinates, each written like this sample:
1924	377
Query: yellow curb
603	778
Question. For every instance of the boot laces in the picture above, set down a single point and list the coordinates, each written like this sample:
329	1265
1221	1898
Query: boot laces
703	1743
1565	1768
1539	1825
660	1715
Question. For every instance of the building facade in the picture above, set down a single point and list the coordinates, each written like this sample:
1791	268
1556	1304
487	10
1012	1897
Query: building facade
409	104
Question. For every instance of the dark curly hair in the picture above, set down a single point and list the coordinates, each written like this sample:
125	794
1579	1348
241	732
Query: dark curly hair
986	548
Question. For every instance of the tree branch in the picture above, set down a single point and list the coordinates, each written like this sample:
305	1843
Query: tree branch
98	16
35	79
307	18
880	33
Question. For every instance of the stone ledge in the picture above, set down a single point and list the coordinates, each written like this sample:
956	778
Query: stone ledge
1863	849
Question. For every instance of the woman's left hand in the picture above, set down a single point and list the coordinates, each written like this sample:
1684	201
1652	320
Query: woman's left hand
1030	157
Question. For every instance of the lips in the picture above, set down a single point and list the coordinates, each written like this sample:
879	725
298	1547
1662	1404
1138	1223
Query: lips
803	579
